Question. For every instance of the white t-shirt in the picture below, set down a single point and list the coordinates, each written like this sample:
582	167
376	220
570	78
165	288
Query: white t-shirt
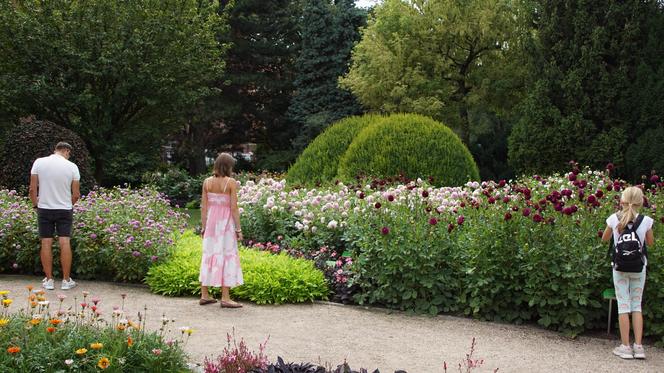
645	226
56	175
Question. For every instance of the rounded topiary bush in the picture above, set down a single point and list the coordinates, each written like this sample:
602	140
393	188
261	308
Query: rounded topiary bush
31	139
320	160
412	145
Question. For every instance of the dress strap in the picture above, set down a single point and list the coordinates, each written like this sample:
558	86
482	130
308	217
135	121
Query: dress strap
225	185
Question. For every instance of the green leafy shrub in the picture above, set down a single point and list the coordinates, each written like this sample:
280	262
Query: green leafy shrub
320	160
411	145
180	188
32	139
19	240
117	234
81	341
267	278
526	251
409	265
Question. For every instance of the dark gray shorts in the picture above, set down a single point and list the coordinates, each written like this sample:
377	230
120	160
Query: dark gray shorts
54	222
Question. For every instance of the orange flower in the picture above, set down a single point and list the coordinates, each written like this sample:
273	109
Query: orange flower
50	329
29	287
14	350
55	322
121	327
103	363
130	342
35	322
96	346
33	304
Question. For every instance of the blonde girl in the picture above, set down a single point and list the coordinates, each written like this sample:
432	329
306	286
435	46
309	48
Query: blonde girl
629	286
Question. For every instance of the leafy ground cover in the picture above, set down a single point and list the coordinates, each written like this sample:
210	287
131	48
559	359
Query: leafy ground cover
267	278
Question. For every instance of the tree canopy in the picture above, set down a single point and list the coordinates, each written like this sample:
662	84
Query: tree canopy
106	69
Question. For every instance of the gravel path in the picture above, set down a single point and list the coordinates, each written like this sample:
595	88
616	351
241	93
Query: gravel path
368	338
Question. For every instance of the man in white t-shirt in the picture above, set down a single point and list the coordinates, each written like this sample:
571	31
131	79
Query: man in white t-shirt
54	189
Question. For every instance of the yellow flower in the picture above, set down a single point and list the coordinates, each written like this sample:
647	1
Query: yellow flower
96	346
6	302
35	321
4	322
189	331
81	351
103	363
4	292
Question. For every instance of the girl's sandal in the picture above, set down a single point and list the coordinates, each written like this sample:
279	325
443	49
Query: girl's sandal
225	304
203	302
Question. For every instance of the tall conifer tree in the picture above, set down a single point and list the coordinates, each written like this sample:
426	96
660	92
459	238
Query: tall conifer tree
329	31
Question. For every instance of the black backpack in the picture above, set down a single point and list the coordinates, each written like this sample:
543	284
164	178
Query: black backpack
628	255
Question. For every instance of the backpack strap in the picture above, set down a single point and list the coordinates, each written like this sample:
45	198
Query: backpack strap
637	222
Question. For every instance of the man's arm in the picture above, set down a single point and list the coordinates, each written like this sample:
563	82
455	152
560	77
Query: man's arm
75	191
34	189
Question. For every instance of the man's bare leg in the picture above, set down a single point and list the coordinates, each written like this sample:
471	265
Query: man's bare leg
46	255
65	256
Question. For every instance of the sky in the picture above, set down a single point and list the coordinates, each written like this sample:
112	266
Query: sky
366	3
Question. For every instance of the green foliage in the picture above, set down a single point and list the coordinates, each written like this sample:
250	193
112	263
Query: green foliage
257	86
117	235
594	85
645	155
180	188
31	139
412	267
320	160
523	252
109	69
412	145
329	31
438	58
267	278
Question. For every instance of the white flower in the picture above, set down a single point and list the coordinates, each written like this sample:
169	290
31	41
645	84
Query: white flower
69	362
314	229
332	224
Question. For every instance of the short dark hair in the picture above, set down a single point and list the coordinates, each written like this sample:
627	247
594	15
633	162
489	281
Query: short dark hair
223	165
63	146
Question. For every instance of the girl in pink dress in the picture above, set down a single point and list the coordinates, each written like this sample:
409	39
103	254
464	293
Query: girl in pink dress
220	219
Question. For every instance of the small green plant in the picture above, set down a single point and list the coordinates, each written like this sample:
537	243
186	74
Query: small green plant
267	278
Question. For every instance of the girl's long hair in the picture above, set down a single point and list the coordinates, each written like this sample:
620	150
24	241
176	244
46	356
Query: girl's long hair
631	201
223	165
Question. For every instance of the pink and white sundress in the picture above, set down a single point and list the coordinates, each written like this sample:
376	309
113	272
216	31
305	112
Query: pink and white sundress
220	265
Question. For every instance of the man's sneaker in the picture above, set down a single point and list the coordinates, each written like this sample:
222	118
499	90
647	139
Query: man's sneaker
68	284
48	284
639	352
624	352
